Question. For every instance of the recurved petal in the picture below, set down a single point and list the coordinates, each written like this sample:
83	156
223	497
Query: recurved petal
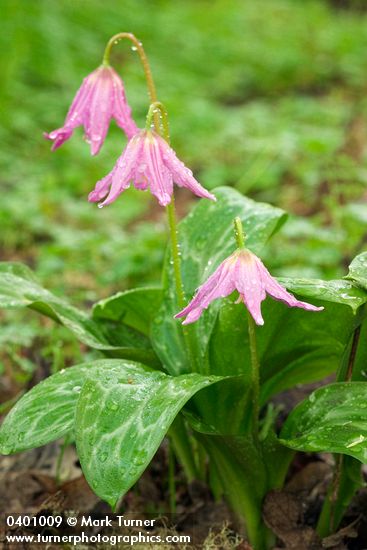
58	136
181	174
123	171
218	285
101	188
202	291
275	290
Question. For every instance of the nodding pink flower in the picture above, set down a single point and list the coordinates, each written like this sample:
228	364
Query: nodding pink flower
244	272
100	98
147	161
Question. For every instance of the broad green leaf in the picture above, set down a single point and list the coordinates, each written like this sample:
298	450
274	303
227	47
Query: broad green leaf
46	412
206	238
122	417
333	419
19	288
298	346
228	354
135	308
295	346
358	270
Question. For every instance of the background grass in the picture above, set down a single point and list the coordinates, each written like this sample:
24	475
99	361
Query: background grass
266	96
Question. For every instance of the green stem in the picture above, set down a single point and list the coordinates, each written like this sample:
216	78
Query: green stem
171	479
353	353
138	46
239	232
60	458
340	491
162	128
242	474
172	222
255	376
255	364
179	436
183	448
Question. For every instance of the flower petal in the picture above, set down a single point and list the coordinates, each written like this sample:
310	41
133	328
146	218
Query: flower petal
58	136
76	113
275	290
101	189
219	285
249	284
121	108
159	178
99	113
181	174
122	173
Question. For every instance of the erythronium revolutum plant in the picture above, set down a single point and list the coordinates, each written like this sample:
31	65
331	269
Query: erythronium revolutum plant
207	382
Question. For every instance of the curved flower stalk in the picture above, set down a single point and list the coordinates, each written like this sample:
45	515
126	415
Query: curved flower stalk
100	98
149	162
242	271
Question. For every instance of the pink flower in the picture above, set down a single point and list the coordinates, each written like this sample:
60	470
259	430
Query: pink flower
244	272
147	161
100	98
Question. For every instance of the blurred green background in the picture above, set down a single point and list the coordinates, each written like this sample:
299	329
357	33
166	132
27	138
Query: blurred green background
269	97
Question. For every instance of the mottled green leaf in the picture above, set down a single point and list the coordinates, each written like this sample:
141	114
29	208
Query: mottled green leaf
122	417
333	419
46	412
